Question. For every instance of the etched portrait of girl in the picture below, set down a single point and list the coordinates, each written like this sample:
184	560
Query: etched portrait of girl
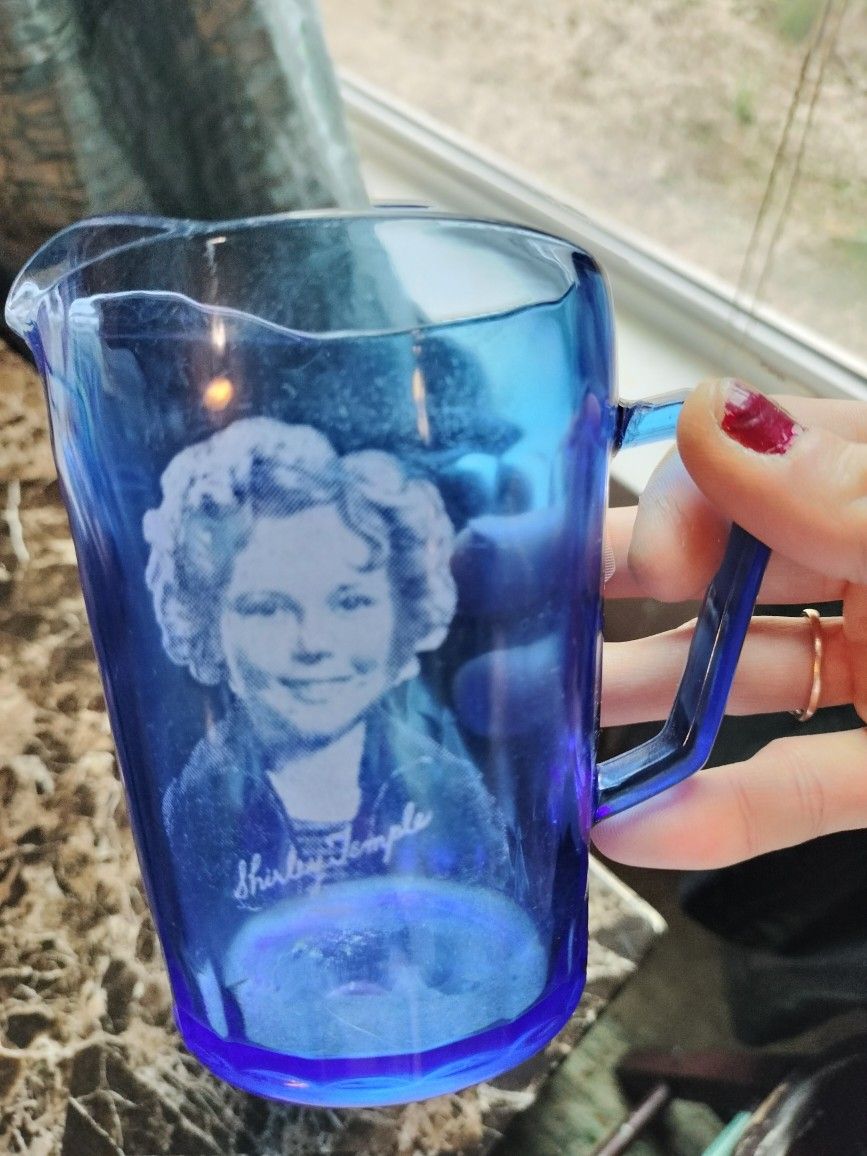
306	584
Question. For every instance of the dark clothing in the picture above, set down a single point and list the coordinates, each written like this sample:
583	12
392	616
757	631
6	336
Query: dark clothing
424	810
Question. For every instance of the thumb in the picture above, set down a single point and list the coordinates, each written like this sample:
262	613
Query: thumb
800	489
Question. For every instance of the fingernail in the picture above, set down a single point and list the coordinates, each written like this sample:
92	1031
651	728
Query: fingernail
754	421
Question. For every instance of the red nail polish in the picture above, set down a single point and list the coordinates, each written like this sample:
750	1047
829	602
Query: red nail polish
756	422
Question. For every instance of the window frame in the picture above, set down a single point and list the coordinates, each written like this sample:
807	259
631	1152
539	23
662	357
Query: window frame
681	304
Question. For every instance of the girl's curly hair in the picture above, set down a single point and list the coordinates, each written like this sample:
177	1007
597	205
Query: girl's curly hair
212	493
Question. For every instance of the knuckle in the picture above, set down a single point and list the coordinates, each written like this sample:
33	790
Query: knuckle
806	785
675	545
855	613
656	560
854	542
684	633
749	689
648	570
747	816
851	522
852	468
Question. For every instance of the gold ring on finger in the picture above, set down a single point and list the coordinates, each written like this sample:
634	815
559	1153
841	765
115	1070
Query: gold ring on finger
815	620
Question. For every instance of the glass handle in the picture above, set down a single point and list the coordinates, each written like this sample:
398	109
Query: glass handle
685	742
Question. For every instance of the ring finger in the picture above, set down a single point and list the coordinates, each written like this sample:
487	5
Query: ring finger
775	671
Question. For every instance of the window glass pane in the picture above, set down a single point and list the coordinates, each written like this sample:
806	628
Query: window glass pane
729	133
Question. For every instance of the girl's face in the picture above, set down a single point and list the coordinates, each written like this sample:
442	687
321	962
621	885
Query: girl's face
307	631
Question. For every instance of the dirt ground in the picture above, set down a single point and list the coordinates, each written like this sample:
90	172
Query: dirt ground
664	115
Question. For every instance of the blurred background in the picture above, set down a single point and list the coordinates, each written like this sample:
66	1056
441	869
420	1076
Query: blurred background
729	133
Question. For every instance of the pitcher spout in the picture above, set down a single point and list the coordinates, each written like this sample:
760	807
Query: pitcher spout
67	253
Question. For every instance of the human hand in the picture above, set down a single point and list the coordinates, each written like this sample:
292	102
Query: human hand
806	497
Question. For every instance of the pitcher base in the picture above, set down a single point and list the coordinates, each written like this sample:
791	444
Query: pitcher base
379	1081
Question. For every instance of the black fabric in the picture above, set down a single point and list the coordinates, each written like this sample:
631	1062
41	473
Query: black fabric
6	335
793	922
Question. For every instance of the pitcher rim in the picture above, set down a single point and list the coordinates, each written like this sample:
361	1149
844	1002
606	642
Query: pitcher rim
189	227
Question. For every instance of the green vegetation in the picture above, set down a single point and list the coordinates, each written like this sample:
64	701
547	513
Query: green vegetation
745	106
854	247
797	18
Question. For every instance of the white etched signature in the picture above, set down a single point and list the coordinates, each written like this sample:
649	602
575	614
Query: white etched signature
342	850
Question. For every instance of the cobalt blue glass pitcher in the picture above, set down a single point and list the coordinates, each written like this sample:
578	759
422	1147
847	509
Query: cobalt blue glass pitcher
337	486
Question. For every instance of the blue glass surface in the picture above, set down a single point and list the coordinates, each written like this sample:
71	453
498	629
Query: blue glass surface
337	489
648	421
684	744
